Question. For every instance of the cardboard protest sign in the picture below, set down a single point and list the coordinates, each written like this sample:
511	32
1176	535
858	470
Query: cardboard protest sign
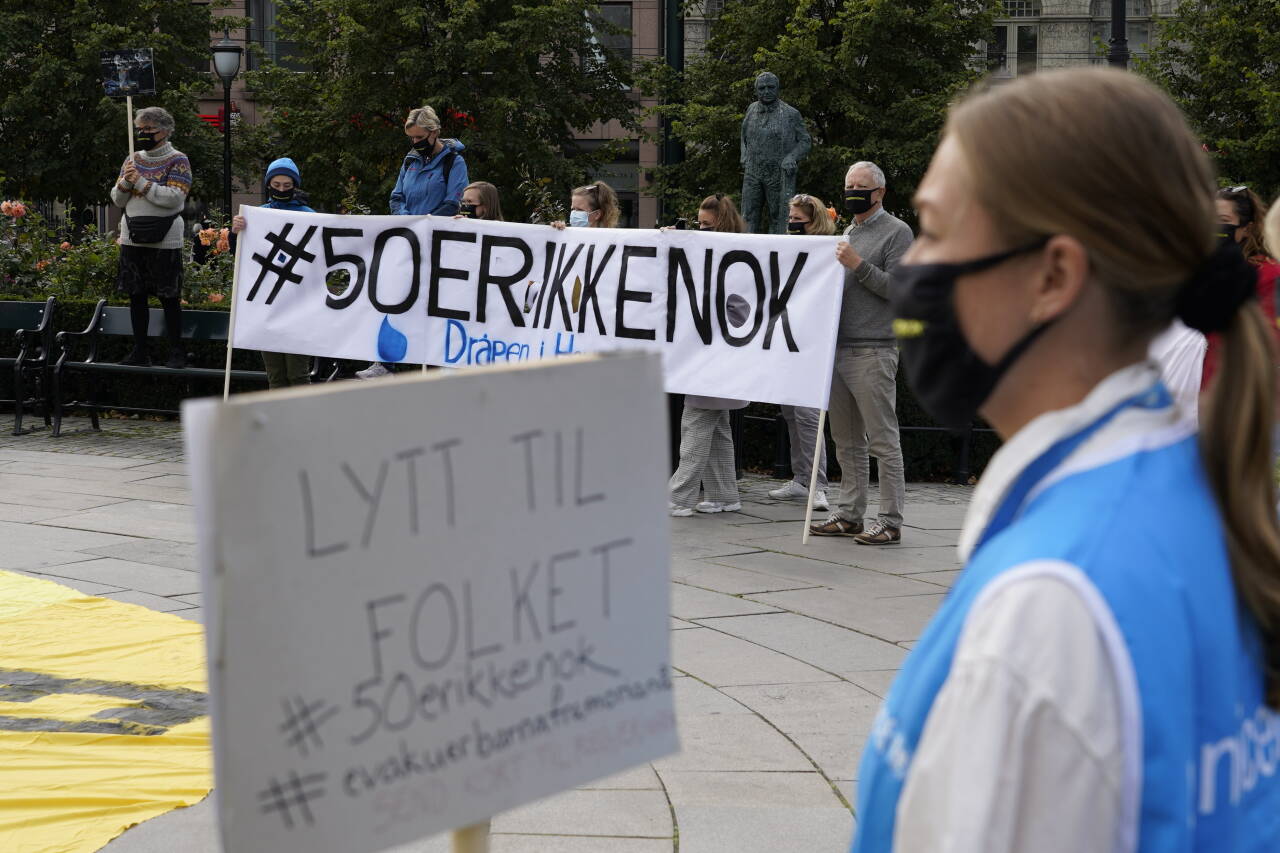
751	316
431	598
126	73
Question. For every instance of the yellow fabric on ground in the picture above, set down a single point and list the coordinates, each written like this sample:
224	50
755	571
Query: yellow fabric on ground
73	791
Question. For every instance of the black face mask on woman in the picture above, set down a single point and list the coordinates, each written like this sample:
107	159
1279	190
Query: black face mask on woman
796	227
950	380
146	141
424	145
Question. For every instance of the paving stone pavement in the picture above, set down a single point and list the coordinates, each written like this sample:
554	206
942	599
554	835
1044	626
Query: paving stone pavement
782	651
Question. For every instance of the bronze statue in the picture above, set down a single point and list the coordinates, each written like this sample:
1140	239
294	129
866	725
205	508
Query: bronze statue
774	142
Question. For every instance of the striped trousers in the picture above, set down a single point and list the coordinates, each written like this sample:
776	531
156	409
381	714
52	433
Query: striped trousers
706	459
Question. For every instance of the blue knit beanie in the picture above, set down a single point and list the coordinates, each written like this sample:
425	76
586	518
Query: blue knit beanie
284	166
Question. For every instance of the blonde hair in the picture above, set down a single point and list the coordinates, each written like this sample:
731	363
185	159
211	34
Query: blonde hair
1104	156
489	198
423	117
728	219
602	198
820	221
1271	231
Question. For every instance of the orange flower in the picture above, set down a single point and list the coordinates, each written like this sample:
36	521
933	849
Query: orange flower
6	207
16	209
831	211
224	241
208	235
215	298
41	265
64	246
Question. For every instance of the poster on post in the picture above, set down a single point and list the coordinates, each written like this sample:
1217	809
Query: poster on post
432	598
126	73
747	316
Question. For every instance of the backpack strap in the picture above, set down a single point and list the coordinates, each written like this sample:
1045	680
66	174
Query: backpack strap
447	165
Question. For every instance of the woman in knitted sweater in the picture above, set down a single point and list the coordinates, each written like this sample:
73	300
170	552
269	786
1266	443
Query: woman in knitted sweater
152	188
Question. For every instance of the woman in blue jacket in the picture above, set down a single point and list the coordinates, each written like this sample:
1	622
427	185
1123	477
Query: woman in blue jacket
432	179
284	192
1105	673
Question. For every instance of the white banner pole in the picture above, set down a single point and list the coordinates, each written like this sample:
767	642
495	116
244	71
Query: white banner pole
128	114
231	322
813	475
472	839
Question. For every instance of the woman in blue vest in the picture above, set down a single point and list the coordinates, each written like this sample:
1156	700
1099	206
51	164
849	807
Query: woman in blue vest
432	178
1105	673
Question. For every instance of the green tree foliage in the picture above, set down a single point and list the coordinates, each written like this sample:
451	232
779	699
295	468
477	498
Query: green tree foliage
511	80
60	137
1217	60
872	79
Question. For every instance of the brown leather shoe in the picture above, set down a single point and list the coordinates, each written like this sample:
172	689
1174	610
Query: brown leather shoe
836	526
880	534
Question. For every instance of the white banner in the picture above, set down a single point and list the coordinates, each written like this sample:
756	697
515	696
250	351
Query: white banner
748	316
433	598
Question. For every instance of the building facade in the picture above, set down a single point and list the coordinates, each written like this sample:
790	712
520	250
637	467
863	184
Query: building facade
1031	35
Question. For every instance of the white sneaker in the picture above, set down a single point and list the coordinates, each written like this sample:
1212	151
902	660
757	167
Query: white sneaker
791	491
716	506
680	512
373	371
820	500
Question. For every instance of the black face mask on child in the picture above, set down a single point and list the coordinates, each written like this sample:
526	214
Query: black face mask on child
280	195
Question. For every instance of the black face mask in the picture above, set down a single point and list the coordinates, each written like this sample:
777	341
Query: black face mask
146	141
706	228
796	227
280	195
468	211
858	201
949	379
424	145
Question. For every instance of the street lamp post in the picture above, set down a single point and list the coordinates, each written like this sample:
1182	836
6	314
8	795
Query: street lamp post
1118	56
226	61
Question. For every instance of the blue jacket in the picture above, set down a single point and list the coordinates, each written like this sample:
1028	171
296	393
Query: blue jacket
1119	507
421	189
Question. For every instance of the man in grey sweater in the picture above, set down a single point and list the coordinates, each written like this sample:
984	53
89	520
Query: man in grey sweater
864	384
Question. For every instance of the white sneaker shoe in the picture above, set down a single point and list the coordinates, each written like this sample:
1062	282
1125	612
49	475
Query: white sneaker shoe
716	506
680	512
820	500
791	491
373	371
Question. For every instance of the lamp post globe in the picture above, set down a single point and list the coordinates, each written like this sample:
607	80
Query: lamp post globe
226	62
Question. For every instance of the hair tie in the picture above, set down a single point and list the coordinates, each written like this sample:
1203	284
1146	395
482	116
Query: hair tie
1208	302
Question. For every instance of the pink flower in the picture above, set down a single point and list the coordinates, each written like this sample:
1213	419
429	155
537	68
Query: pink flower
17	209
64	246
215	298
6	207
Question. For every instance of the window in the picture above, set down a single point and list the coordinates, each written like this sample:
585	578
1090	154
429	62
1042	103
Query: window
1137	32
262	32
611	29
1022	8
1013	49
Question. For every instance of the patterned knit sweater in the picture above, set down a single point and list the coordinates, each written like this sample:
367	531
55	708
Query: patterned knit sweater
164	179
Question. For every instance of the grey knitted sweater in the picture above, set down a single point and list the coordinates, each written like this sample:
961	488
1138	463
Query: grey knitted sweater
866	320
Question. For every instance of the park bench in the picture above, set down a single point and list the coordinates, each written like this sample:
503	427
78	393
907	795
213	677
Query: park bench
114	322
32	324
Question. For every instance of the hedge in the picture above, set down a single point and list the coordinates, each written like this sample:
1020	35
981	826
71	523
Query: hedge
930	455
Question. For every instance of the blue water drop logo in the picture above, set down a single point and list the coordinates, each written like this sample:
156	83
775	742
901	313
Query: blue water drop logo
392	344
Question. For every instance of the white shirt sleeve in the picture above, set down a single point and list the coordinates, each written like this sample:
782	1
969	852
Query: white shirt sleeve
1023	748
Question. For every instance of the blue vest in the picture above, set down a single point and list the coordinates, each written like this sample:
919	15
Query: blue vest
1138	533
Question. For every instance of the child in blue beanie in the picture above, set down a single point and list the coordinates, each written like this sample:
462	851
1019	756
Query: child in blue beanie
284	192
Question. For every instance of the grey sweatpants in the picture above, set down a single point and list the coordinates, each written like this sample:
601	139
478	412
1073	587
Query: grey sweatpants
706	458
802	428
863	416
